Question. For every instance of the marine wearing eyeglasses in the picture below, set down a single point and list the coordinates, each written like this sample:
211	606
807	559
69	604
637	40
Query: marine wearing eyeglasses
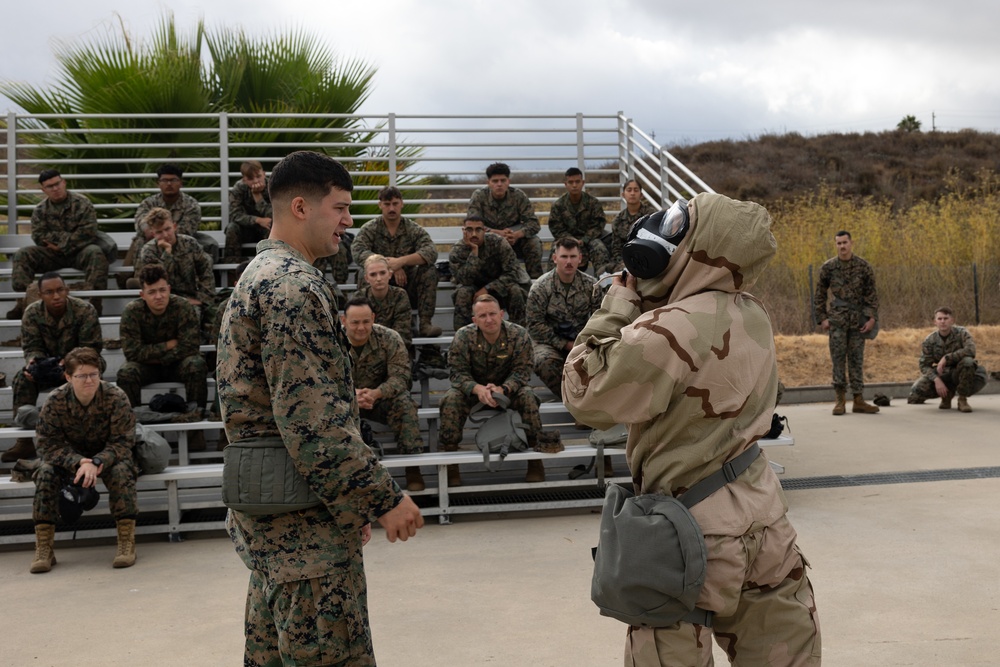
50	327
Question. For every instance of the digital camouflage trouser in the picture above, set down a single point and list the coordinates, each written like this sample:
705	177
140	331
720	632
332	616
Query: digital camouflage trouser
192	371
400	413
455	409
25	391
421	286
964	378
530	251
765	609
34	260
595	255
511	298
847	348
548	362
119	479
236	235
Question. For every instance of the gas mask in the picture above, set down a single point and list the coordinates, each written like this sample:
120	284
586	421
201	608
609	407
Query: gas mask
654	238
74	500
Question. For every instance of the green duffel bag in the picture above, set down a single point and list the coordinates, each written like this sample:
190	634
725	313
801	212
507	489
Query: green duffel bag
258	477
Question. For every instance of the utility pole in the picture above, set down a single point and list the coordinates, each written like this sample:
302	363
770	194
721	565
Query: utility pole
933	121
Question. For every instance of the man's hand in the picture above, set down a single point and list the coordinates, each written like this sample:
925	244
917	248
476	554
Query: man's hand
87	472
568	346
402	521
193	301
868	326
473	242
628	282
367	398
263	222
366	534
394	263
825	325
27	374
479	292
485	394
171	344
942	364
940	387
51	246
164	246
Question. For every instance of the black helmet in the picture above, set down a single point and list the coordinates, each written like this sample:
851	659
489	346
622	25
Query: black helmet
74	500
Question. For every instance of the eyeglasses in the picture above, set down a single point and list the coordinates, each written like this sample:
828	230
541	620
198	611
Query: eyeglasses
86	377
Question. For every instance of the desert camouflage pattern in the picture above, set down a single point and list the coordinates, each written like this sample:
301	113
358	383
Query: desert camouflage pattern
45	336
846	284
71	225
688	364
585	221
393	311
189	268
144	336
284	371
474	360
551	302
961	374
69	432
514	209
619	232
383	363
421	281
242	209
495	269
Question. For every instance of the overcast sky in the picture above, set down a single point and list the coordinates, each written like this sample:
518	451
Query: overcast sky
688	72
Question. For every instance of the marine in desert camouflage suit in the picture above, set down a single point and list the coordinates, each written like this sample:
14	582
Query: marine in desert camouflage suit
284	373
559	304
687	361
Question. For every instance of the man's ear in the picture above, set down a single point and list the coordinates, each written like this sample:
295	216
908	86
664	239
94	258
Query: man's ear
299	207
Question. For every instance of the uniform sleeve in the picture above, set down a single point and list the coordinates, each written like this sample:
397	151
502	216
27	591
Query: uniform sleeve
465	268
53	448
190	220
141	211
558	222
206	280
84	232
402	318
968	348
869	293
929	357
508	262
32	342
476	204
820	296
537	307
520	374
526	216
398	366
424	245
122	433
460	366
312	400
239	213
188	331
149	253
89	333
596	220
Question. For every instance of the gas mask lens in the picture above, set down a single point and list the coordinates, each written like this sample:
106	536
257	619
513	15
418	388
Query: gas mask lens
653	239
675	222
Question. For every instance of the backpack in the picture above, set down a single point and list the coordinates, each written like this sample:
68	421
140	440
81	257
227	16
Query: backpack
501	431
152	451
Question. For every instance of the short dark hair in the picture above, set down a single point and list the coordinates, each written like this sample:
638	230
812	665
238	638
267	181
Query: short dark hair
573	171
497	169
47	174
389	192
50	275
358	299
842	232
153	273
567	242
473	218
632	180
170	169
308	174
81	356
946	310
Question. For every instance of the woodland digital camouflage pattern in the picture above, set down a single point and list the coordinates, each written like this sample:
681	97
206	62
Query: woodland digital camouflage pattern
384	364
851	285
962	373
44	336
68	432
185	211
72	226
284	372
514	209
242	209
189	268
495	269
474	360
619	232
554	307
421	281
584	221
690	367
144	336
393	311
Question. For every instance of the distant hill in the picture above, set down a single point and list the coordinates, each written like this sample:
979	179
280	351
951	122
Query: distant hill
900	167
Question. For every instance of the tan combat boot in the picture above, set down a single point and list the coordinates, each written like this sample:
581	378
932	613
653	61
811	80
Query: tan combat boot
24	448
963	404
840	408
862	407
45	556
946	402
414	480
126	544
429	329
536	471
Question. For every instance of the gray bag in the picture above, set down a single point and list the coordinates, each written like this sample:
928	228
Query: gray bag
611	437
650	563
258	477
107	245
152	451
501	431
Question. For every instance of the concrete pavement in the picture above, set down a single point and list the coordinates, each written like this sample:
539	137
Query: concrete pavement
905	573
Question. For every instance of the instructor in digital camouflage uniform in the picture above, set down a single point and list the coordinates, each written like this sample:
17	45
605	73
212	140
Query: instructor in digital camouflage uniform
51	327
559	304
409	253
481	264
284	372
686	360
380	368
486	357
852	313
578	214
948	365
508	213
86	430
